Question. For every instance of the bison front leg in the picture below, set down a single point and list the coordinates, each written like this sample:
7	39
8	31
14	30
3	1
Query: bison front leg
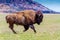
32	27
11	27
26	27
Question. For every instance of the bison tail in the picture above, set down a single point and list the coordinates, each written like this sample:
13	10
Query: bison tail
7	19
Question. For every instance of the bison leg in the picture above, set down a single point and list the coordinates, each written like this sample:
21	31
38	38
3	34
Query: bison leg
11	27
26	27
32	27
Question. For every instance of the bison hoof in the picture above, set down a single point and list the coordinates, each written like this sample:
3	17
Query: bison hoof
35	32
15	33
24	30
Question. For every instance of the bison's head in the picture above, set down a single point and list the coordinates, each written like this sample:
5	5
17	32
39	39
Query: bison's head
39	17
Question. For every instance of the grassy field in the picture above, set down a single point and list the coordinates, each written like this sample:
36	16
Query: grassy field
48	30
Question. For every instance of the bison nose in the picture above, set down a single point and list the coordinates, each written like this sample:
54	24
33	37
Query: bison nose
38	23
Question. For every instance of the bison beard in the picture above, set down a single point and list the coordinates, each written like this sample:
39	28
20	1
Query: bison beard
26	18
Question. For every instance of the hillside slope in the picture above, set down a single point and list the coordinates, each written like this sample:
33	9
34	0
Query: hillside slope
18	5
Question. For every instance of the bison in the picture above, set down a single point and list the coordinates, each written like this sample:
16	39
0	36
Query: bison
26	18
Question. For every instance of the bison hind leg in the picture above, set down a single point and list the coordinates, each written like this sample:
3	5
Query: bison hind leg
11	27
26	27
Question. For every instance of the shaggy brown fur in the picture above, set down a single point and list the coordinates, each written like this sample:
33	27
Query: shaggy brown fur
29	15
26	18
